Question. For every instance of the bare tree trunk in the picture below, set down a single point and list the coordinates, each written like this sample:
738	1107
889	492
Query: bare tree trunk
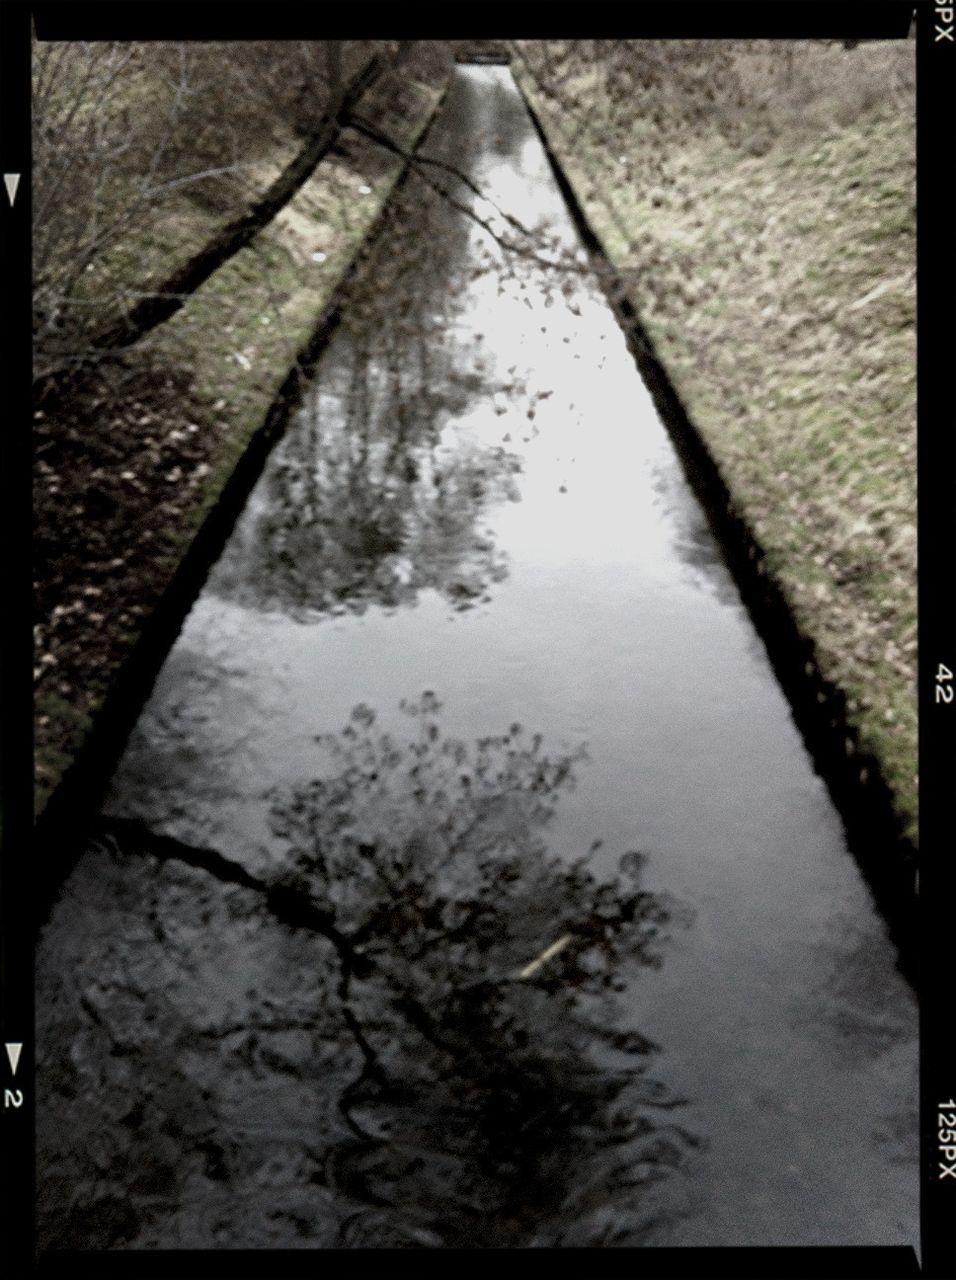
168	297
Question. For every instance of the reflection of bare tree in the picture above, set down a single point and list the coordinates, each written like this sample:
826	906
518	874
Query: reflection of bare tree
371	498
355	516
500	1086
418	1034
377	493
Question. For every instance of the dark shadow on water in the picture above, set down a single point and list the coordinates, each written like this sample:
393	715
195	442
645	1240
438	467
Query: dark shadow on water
416	1036
502	1097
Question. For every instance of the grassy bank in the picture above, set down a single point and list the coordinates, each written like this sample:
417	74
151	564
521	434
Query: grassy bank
142	152
139	454
768	246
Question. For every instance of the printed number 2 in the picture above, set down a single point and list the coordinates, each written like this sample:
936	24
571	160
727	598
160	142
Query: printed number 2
12	1098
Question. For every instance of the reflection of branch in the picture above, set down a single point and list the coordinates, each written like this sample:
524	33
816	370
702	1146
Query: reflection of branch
509	246
453	1048
276	1026
286	903
414	158
118	1047
419	1018
371	1067
292	907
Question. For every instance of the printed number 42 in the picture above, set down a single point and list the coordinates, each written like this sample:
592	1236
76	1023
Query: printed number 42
944	684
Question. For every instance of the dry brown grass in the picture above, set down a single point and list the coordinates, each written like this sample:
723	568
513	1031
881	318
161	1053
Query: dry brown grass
760	201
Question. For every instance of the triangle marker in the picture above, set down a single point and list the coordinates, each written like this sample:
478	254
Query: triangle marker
13	1053
11	181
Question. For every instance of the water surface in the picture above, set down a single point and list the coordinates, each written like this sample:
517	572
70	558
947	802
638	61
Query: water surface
476	499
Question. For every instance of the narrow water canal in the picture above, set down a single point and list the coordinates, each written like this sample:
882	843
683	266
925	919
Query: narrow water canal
440	1030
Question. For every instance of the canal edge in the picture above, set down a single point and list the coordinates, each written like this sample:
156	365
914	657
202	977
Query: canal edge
60	827
854	778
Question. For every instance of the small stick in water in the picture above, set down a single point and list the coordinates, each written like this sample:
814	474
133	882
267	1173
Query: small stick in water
548	954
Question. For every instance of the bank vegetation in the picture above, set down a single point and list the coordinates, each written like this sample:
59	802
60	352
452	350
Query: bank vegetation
145	156
759	199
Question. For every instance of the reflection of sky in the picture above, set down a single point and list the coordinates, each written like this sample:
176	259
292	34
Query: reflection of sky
617	625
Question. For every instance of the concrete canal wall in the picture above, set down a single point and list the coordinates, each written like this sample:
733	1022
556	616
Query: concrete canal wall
239	349
831	677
